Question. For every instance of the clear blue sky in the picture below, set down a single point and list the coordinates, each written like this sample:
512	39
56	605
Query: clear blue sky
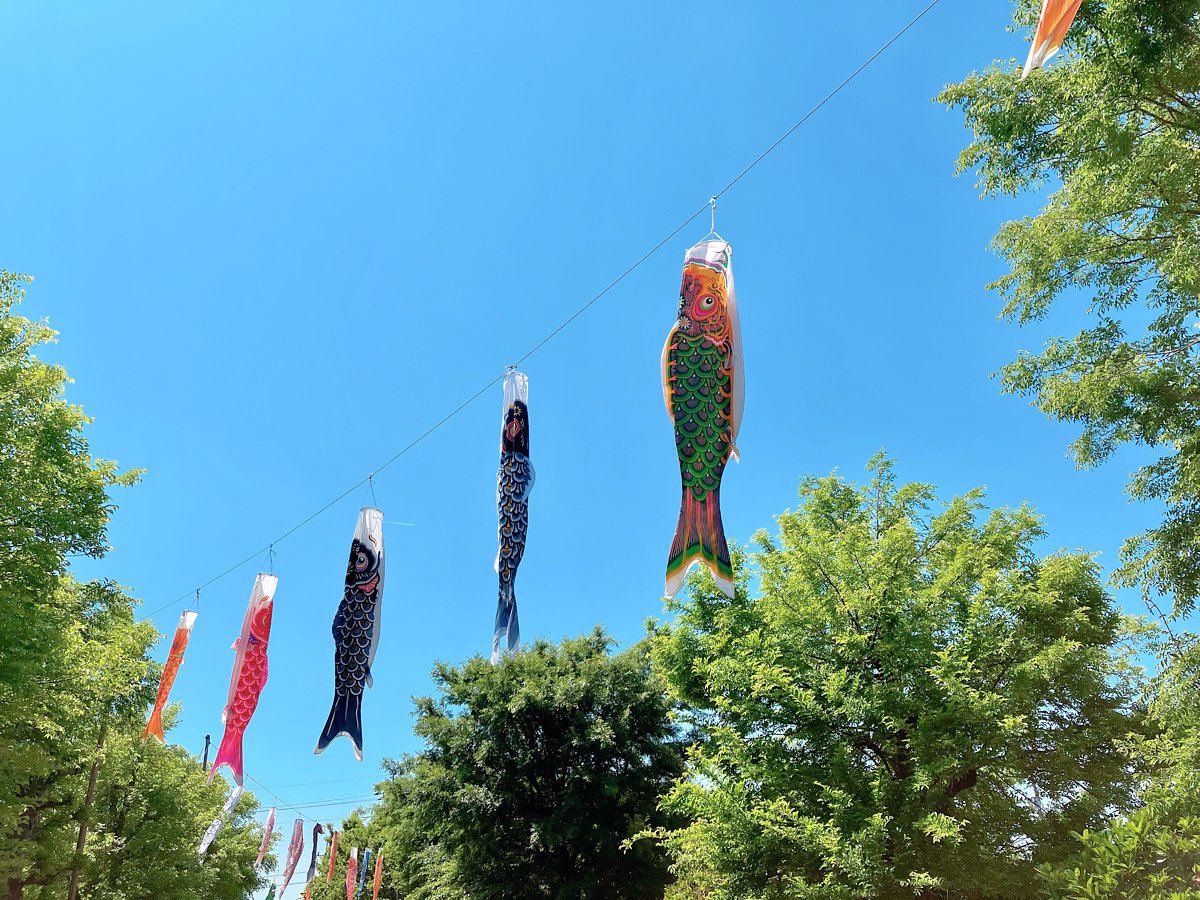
282	239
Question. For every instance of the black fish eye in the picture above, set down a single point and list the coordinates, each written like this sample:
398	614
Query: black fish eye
361	562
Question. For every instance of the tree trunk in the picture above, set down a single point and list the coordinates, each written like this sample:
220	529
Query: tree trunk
73	888
16	887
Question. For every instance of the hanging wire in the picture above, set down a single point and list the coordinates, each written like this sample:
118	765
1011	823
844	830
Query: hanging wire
710	205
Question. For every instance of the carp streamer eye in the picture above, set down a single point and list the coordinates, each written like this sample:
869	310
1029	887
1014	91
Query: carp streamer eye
360	561
705	305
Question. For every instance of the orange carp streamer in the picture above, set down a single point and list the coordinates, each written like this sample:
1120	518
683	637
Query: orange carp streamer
249	675
1055	22
332	857
378	874
183	631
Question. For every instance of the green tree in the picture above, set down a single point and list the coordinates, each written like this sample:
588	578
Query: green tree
1153	852
53	502
80	802
535	773
152	804
354	831
914	704
1114	127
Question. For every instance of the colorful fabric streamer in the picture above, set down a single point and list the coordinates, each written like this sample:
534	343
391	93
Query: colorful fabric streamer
1053	25
332	857
271	893
295	848
183	632
226	810
356	631
351	873
703	389
514	482
362	873
268	831
378	874
249	675
318	830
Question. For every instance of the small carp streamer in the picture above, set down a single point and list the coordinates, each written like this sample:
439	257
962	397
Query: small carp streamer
249	675
1053	25
268	831
295	848
362	873
332	856
514	482
183	632
210	834
378	874
356	631
318	830
351	873
271	893
703	389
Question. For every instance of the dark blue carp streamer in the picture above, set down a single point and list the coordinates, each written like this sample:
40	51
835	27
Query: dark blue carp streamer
318	830
356	631
514	482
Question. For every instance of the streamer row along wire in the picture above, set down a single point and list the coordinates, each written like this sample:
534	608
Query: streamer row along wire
366	479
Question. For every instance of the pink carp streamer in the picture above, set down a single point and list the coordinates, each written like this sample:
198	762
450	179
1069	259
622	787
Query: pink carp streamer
268	830
249	675
1053	25
351	874
378	874
183	632
295	848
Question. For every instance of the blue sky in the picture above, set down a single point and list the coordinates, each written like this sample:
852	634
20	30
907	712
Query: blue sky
281	240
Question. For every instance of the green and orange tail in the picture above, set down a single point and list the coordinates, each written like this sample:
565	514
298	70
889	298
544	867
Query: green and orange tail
700	538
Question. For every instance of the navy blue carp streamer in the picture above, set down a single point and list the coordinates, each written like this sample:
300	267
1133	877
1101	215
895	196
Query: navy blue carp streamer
317	831
356	631
514	482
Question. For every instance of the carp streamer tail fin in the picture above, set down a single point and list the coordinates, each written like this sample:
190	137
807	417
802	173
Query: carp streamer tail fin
344	718
228	754
507	636
700	538
155	727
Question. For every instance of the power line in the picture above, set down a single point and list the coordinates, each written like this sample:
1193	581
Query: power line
312	804
575	315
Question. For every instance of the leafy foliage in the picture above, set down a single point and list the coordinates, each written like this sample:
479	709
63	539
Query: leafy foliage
1115	126
355	832
915	704
534	774
1153	852
75	675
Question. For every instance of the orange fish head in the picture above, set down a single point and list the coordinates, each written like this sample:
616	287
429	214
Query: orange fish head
703	302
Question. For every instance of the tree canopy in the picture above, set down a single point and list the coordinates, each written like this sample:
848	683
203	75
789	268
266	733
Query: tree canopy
535	773
914	703
76	677
1112	128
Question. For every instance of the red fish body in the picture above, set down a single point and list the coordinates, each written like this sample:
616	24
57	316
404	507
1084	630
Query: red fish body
249	676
